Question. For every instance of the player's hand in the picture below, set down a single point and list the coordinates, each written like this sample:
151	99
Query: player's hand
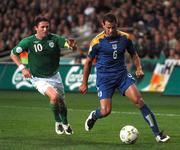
83	88
72	43
139	73
26	73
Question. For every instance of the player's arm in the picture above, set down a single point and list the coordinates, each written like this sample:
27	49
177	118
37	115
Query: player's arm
26	73
15	52
136	60
87	68
93	49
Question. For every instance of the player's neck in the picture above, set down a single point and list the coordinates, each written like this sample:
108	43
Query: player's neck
39	37
115	34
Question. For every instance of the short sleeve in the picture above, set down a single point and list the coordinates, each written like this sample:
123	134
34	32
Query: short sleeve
62	42
130	48
20	47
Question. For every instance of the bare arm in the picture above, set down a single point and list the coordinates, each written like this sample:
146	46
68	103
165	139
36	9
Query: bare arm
26	73
87	68
72	44
136	60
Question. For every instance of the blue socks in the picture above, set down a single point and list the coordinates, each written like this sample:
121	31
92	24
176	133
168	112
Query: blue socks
97	114
150	119
147	114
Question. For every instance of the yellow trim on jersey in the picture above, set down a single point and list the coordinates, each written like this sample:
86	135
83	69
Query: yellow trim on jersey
97	38
102	34
126	34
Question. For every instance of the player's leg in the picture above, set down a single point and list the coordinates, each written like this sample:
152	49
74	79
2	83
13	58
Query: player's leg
128	88
53	97
134	95
105	93
101	112
56	82
42	85
63	113
58	100
49	87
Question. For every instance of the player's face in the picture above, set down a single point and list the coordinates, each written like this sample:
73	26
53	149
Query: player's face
110	28
42	29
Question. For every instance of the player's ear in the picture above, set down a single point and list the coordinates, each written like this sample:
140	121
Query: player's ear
35	28
102	23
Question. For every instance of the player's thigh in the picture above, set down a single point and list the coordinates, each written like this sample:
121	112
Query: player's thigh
125	82
51	86
41	85
57	84
105	91
134	95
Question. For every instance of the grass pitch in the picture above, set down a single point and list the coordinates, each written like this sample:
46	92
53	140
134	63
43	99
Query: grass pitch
26	123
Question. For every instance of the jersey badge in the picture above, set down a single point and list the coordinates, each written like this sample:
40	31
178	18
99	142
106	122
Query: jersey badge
114	46
51	44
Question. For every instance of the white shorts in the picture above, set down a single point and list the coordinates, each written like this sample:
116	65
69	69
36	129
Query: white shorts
41	84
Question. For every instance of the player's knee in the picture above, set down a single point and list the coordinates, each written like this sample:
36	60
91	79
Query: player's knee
105	112
139	102
54	98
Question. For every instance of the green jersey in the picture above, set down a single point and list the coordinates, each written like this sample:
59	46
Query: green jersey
43	55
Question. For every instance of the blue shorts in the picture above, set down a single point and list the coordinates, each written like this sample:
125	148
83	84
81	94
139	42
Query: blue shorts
106	86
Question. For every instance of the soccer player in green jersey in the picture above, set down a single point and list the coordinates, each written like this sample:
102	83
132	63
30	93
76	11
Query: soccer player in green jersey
43	60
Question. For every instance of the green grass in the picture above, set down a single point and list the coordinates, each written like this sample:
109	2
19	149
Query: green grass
26	123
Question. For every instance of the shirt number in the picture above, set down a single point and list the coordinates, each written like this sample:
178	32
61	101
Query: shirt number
115	54
38	47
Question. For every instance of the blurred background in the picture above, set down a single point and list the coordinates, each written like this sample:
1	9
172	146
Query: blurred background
154	24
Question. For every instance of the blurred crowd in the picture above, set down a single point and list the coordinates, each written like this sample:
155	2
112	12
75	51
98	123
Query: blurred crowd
154	24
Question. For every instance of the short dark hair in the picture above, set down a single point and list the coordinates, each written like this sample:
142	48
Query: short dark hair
39	19
109	17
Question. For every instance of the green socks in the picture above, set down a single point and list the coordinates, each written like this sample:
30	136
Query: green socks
60	113
55	110
63	113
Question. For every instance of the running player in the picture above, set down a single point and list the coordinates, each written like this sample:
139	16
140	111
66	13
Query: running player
43	61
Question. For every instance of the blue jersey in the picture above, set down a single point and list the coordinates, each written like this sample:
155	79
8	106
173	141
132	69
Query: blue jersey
109	52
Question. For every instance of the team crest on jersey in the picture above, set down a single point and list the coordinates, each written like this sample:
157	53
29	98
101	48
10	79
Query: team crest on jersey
51	44
114	46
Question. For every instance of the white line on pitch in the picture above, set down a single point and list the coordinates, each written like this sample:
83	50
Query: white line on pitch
86	110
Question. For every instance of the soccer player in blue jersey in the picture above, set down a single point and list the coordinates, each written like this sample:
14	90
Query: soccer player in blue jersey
108	48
